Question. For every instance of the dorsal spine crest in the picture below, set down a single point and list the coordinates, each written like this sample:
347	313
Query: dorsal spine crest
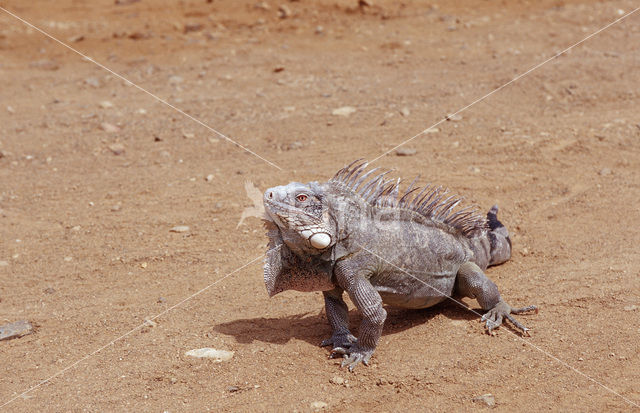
432	202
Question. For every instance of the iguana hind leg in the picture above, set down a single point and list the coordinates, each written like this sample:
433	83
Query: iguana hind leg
472	282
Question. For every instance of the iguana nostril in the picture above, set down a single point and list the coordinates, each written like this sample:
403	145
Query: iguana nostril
271	195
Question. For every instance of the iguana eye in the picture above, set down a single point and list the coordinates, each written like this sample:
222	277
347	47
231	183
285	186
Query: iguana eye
302	197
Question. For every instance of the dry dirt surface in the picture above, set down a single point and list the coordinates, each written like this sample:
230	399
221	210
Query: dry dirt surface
94	174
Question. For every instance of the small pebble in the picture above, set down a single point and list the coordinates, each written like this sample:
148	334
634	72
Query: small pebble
116	148
318	405
233	389
454	117
405	151
344	111
93	82
179	228
68	259
11	110
337	380
631	307
150	323
209	178
109	128
284	11
486	399
105	104
293	146
4	263
405	112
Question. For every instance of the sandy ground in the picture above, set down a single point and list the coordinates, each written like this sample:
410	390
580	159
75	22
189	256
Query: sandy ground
94	173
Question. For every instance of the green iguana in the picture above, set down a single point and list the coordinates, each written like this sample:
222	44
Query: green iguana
357	233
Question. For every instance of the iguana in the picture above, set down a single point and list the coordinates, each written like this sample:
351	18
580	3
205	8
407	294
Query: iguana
357	233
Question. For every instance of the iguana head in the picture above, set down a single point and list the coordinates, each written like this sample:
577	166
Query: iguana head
301	214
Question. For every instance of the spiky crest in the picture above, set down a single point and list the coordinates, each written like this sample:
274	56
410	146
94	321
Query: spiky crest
435	203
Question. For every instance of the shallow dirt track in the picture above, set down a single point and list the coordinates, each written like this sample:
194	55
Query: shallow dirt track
94	173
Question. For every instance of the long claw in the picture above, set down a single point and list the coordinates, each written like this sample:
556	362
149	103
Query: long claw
525	309
517	324
352	361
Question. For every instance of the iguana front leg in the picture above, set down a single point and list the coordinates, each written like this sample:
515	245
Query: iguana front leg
338	316
472	282
369	303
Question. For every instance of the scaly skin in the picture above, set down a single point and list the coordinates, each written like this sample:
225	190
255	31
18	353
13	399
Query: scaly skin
355	234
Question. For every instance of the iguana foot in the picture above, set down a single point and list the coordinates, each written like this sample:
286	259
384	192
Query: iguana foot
353	355
502	310
339	340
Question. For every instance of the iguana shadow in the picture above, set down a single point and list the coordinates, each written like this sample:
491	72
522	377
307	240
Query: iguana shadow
312	327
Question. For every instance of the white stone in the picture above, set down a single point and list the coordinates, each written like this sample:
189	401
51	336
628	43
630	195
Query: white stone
344	111
218	355
486	399
180	228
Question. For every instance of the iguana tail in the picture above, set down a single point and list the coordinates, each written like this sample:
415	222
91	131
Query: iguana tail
499	241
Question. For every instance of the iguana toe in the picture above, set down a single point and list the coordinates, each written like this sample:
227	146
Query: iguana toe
494	317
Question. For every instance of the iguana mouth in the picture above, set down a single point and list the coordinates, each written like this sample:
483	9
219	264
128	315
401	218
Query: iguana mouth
314	234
